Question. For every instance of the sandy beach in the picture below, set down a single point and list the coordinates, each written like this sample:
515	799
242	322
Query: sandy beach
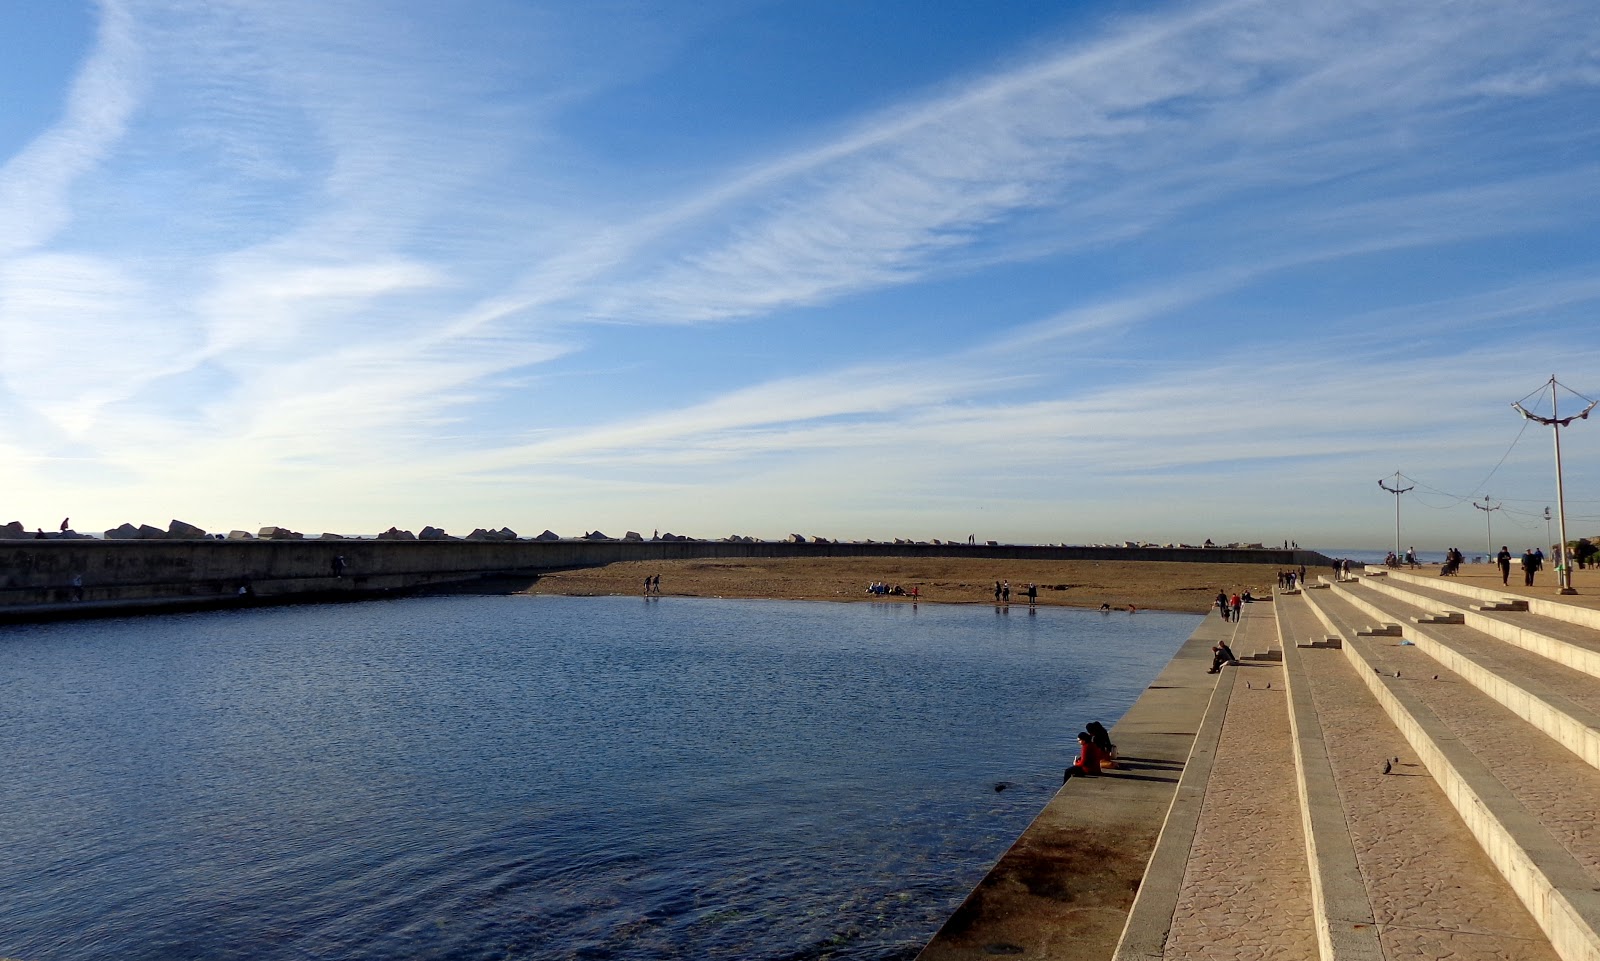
1168	586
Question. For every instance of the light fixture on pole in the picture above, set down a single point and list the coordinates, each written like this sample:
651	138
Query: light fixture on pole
1547	525
1487	528
1556	422
1396	490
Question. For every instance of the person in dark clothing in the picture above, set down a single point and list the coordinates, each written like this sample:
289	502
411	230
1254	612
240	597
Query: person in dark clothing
1530	566
1504	560
1220	655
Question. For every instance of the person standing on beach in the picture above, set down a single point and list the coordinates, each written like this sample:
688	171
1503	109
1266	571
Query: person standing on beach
1005	591
1033	594
997	592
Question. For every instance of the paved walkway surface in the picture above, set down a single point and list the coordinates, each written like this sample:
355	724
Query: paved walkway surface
1433	892
1246	891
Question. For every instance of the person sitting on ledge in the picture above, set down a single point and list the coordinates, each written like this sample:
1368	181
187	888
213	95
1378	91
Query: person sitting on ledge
1089	760
1220	655
1102	739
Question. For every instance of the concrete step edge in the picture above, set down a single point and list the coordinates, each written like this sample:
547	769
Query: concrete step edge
1544	606
1557	891
1346	924
1573	726
1518	633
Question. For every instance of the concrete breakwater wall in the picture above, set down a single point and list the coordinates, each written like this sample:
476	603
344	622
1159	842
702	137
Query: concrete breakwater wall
65	578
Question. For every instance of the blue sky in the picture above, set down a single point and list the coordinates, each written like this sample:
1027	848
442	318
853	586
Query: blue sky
1035	271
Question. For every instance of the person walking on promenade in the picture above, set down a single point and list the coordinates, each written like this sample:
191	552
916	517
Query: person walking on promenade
1504	560
1530	566
1235	602
1222	605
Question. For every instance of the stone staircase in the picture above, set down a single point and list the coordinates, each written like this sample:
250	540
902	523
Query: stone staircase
1495	852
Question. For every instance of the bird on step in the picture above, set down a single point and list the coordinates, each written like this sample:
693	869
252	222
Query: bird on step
1387	767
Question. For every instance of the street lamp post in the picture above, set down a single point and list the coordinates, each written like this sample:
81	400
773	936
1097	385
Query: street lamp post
1396	490
1488	529
1556	422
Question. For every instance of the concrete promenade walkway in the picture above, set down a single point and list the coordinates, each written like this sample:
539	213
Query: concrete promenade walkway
1407	768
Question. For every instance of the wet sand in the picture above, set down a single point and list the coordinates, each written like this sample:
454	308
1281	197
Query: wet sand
1168	586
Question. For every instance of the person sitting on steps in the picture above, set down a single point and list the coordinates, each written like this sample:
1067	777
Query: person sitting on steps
1220	655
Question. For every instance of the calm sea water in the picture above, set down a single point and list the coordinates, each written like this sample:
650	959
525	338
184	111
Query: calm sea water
535	777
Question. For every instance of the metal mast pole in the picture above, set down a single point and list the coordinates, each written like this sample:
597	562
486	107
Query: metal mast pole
1563	569
1555	423
1488	529
1396	490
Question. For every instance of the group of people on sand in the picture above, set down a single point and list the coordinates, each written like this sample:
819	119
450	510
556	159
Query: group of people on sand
882	589
1002	593
1095	753
652	584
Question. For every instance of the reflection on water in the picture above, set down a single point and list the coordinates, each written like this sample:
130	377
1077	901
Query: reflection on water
535	777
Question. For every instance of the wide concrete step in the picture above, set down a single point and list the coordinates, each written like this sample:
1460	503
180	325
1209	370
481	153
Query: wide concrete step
1527	800
1552	607
1395	873
1560	640
1562	703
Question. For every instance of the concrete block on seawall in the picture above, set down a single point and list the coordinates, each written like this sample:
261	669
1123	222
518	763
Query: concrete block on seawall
279	534
180	530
